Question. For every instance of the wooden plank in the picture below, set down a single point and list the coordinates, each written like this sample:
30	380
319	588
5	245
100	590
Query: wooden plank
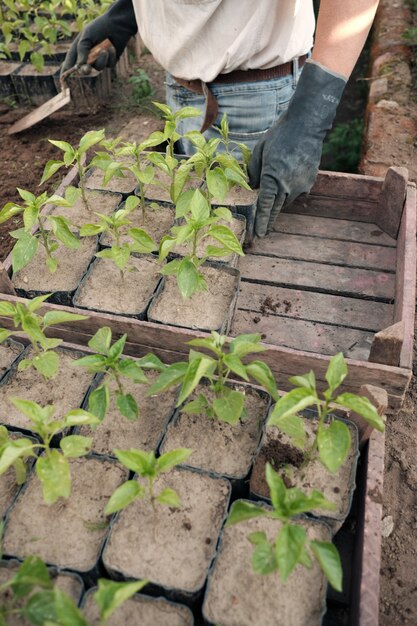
343	230
339	184
405	292
303	335
391	200
358	210
303	247
326	278
387	345
6	285
284	362
319	307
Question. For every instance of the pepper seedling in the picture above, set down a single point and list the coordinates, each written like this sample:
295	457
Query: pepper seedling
52	467
113	225
75	155
199	223
29	325
108	359
146	466
31	594
291	545
228	403
332	437
47	230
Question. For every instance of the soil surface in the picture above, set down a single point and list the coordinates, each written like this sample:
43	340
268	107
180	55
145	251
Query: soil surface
23	161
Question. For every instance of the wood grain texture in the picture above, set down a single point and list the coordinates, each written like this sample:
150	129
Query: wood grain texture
358	209
391	200
405	291
315	307
339	184
6	285
387	345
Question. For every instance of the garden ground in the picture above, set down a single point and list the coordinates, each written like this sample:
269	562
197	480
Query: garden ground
23	160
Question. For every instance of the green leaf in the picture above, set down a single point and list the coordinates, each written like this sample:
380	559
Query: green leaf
116	350
13	451
263	557
171	376
363	407
336	371
79	417
127	406
150	361
229	407
123	496
9	210
91	138
98	401
131	369
217	183
333	443
187	278
74	446
92	362
67	613
47	363
307	380
169	497
40	608
289	547
7	309
246	344
101	341
52	264
50	169
23	251
197	369
234	363
111	595
143	242
4	334
242	511
139	461
329	560
54	473
170	459
294	427
59	317
291	403
91	230
226	237
31	573
199	206
261	372
62	232
33	411
277	491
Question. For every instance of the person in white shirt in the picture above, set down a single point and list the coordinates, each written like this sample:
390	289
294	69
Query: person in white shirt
248	59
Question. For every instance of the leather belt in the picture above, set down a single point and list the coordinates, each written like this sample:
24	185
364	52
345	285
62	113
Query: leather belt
237	76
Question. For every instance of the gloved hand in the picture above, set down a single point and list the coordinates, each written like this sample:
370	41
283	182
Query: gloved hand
285	162
118	24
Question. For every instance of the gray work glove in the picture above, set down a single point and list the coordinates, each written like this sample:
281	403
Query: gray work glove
118	24
285	162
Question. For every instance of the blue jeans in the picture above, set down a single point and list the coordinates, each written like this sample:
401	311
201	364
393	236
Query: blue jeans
251	108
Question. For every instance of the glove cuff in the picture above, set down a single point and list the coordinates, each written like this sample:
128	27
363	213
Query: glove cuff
123	21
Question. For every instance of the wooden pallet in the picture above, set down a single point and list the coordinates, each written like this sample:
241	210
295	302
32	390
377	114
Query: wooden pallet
337	274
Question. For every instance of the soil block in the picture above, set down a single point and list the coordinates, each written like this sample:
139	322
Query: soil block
9	352
89	92
124	185
219	447
35	279
101	201
6	84
69	583
237	596
69	533
145	433
168	306
174	549
278	450
66	391
158	222
35	87
243	202
103	289
142	611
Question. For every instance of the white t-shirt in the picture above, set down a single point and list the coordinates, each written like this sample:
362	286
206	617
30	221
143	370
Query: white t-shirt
204	38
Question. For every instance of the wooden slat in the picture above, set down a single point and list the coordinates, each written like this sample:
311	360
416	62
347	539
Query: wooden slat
312	306
387	345
339	184
302	247
359	210
302	335
405	292
391	200
343	230
327	278
6	285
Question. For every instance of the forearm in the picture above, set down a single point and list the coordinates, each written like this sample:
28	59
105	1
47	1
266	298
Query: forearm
342	29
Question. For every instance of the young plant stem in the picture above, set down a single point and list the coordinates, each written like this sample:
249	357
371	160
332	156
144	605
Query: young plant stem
44	237
81	174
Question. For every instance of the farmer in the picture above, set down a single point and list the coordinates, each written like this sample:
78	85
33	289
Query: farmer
245	58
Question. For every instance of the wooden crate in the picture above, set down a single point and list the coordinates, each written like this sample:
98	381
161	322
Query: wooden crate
337	274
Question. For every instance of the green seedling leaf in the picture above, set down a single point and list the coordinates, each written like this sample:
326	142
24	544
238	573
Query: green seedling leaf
308	381
40	608
54	473
196	370
291	403
234	363
110	595
90	139
171	376
47	363
127	406
289	547
169	497
363	407
14	451
333	443
7	309
116	350
123	496
58	317
67	613
293	426
143	463
92	362
131	369
50	169
226	237
23	251
36	413
242	511
63	232
98	401
51	264
101	341
79	417
187	278
329	560
171	459
31	573
152	362
246	344
143	242
336	372
74	446
229	408
217	183
4	334
263	557
263	375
